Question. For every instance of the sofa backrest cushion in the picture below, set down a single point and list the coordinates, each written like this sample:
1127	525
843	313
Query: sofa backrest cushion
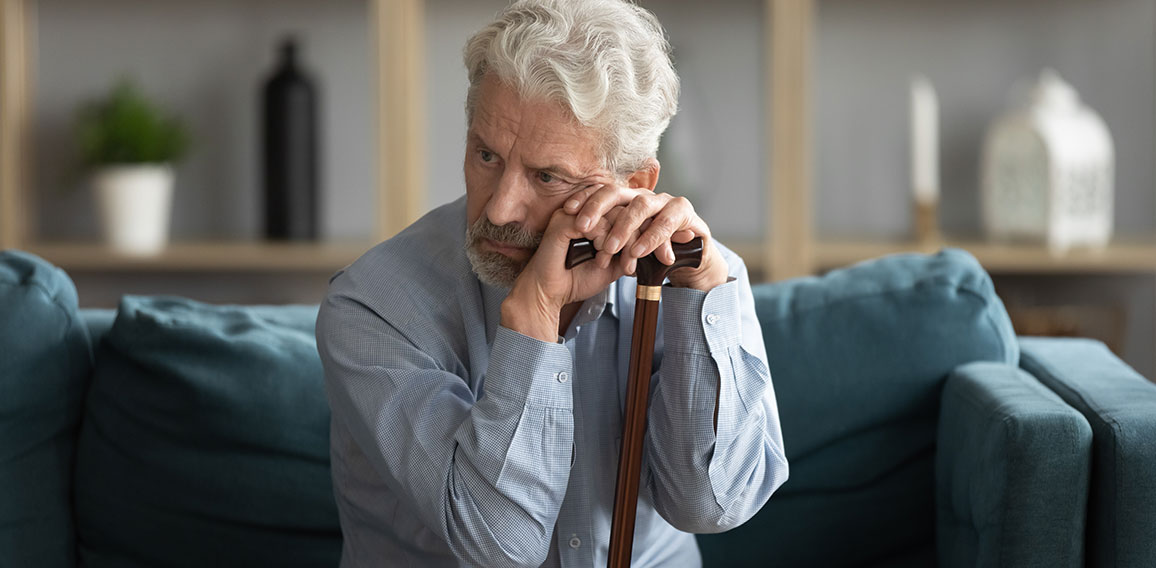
858	359
44	366
206	440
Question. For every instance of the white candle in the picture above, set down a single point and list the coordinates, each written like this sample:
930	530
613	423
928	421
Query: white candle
924	140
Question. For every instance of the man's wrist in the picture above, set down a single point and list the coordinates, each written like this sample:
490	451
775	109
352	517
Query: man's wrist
531	315
712	273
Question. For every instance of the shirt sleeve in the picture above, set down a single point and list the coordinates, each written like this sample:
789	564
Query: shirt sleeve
488	474
706	479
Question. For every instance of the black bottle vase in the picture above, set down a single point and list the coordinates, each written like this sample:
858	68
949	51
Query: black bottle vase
290	131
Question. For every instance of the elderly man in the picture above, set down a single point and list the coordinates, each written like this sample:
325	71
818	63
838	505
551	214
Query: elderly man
477	385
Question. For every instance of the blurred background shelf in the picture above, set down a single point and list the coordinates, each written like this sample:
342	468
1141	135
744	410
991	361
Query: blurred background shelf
207	62
1120	257
230	256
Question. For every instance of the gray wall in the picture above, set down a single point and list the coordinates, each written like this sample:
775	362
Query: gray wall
713	152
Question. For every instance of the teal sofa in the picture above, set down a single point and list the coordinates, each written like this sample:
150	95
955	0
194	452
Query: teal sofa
919	429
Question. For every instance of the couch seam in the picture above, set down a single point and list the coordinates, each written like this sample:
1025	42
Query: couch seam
1110	423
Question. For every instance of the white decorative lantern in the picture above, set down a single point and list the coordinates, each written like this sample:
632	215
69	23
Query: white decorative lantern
1047	171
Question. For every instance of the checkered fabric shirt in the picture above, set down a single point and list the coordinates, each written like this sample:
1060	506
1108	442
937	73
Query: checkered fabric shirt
459	442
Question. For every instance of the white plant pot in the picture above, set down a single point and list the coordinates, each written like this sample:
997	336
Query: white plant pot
136	203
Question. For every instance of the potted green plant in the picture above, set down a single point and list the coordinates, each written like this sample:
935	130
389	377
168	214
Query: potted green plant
129	146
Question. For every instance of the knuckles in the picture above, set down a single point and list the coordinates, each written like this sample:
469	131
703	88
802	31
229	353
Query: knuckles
662	224
657	216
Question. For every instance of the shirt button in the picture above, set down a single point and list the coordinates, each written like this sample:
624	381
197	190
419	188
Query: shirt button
563	376
575	542
712	319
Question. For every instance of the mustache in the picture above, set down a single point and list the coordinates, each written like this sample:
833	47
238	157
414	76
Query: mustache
510	234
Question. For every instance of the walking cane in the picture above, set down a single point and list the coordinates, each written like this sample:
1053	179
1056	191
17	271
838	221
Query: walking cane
651	272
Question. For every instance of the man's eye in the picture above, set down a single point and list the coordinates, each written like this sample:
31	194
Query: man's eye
545	177
486	156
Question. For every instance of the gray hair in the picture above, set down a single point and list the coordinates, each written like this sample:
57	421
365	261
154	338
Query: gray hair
608	61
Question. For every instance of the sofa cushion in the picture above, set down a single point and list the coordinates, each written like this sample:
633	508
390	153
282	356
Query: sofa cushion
205	440
858	358
44	365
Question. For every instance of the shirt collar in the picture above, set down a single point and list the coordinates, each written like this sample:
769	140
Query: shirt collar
598	304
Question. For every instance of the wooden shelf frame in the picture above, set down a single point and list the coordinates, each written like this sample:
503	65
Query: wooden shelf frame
1120	257
788	36
14	121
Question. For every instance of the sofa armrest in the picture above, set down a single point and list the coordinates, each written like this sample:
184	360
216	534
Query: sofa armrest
1120	406
1011	471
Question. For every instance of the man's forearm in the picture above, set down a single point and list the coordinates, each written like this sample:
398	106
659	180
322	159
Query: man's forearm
422	426
708	373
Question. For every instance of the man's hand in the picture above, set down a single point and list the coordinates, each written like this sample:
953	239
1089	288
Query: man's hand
633	221
638	222
545	286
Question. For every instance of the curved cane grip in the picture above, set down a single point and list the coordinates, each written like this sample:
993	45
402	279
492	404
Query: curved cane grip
650	270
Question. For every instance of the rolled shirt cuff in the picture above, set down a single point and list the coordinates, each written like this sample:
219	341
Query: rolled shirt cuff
529	371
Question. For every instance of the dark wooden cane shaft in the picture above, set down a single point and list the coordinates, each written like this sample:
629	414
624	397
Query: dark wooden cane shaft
651	272
633	432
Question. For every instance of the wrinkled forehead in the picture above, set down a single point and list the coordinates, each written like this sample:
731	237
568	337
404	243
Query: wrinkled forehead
544	130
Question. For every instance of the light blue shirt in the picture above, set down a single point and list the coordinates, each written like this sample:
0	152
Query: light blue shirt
456	441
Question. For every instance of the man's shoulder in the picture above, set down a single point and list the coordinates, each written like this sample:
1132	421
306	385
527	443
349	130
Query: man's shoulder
438	234
419	268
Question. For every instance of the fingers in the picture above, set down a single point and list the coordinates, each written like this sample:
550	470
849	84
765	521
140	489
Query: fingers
683	236
594	202
574	204
665	253
599	233
631	219
655	219
633	222
560	228
602	227
676	217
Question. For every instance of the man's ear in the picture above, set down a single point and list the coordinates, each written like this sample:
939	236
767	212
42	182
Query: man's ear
646	177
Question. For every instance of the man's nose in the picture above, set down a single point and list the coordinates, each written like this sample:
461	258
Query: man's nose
511	200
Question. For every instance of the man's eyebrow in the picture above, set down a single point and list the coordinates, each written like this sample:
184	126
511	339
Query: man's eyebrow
558	168
472	136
